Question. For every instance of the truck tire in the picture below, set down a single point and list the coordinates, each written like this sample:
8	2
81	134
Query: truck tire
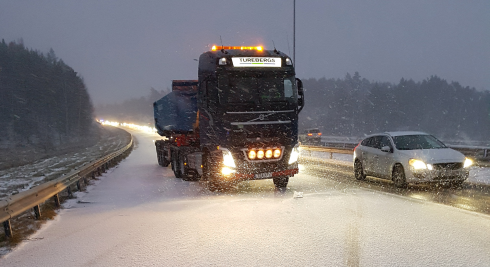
209	173
281	181
176	165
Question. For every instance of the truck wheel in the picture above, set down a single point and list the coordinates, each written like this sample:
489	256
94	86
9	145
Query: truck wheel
209	174
176	166
206	166
281	182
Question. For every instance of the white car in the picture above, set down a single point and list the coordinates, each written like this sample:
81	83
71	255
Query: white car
409	157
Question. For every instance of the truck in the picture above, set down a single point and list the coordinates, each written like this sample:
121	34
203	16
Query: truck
238	121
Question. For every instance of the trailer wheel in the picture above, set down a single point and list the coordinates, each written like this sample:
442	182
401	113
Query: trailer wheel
165	162
281	182
162	161
159	158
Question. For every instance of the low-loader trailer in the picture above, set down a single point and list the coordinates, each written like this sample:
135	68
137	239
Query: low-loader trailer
238	121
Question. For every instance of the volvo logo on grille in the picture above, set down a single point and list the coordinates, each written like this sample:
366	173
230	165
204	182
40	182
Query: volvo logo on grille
261	117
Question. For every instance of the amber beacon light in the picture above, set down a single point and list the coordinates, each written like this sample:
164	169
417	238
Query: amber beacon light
258	48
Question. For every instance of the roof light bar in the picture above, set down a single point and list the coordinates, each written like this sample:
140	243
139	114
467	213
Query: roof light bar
258	48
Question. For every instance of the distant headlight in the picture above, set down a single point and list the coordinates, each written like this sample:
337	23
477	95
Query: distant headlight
228	158
294	155
417	164
467	162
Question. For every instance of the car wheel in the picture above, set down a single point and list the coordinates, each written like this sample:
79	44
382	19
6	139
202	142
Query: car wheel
281	182
398	176
359	171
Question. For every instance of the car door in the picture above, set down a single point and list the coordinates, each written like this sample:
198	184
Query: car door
368	153
382	160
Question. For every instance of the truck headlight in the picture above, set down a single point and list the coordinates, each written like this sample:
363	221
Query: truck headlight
227	171
467	162
228	158
294	154
417	164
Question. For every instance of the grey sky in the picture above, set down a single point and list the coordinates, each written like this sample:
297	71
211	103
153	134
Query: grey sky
122	48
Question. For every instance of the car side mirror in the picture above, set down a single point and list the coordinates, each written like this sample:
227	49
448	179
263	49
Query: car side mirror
301	99
386	149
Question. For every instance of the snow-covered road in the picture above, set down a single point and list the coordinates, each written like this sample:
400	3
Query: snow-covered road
140	215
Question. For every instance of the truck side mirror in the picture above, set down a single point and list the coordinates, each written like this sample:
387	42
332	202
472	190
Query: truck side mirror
301	99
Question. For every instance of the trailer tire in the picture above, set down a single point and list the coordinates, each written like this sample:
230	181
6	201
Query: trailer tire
159	158
165	162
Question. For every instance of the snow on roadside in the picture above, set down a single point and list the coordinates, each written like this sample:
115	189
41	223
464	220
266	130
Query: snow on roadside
21	178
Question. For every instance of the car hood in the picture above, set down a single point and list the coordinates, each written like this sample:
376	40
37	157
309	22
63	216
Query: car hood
439	155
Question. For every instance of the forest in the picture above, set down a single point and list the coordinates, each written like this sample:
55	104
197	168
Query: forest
354	106
44	103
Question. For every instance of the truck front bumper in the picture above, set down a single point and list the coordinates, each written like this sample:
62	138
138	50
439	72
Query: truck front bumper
246	175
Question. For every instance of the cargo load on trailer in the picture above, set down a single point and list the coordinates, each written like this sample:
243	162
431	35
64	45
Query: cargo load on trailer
238	121
176	112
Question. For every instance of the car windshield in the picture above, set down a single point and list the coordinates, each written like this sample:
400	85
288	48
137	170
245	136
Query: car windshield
257	89
413	142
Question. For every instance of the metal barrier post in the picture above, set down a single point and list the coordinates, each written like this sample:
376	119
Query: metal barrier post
8	228
37	212
70	194
56	199
79	187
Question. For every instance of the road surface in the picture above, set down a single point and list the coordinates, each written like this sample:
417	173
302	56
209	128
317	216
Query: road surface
140	215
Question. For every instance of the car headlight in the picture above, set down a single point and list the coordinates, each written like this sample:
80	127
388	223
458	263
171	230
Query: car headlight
467	162
228	158
294	154
417	164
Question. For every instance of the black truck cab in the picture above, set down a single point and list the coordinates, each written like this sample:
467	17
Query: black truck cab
248	101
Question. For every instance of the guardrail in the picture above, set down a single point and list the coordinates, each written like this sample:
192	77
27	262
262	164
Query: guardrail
17	204
481	154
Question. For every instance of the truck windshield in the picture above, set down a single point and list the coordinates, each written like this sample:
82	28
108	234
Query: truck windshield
257	89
